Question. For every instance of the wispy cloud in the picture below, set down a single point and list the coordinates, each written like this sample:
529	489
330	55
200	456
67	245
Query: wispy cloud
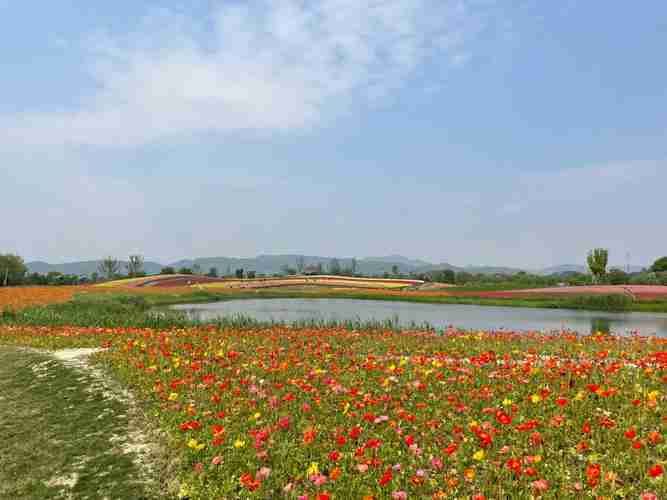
260	65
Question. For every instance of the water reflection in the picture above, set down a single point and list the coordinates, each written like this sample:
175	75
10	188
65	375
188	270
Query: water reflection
437	315
600	325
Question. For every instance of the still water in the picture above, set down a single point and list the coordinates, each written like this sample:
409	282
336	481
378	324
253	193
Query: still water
437	315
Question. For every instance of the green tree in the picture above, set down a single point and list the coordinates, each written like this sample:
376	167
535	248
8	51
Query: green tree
12	270
448	276
334	266
109	267
239	273
251	275
168	270
597	263
185	270
660	265
212	273
617	277
135	265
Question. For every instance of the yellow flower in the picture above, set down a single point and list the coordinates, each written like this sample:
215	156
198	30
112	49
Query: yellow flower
196	445
469	474
173	396
507	402
479	455
536	398
346	409
313	469
184	491
580	396
653	395
239	443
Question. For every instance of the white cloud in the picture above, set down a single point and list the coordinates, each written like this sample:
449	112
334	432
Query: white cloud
266	65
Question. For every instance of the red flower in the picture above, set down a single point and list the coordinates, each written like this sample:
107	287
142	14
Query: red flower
656	471
485	439
654	437
386	477
514	465
630	434
451	448
283	423
593	470
503	418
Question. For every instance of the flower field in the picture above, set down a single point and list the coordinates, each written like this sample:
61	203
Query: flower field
314	414
19	297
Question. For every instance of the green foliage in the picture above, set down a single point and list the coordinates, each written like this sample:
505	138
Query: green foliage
334	267
135	266
660	265
617	277
12	270
597	262
109	267
615	302
168	270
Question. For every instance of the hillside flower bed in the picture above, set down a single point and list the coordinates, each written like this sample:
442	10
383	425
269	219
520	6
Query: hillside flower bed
329	413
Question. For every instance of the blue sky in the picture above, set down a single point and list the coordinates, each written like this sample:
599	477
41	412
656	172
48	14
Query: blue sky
474	132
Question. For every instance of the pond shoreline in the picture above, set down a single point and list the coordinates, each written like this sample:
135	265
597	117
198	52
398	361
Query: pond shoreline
436	316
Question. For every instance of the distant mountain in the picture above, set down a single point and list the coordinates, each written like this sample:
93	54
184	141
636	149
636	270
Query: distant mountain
399	259
565	268
271	264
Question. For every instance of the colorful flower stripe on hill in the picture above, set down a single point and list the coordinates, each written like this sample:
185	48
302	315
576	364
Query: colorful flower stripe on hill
329	413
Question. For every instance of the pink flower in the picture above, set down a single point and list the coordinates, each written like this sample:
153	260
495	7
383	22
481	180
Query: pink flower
540	485
399	495
217	460
318	479
648	495
362	468
263	473
436	463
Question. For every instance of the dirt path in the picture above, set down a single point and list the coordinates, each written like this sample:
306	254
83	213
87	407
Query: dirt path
68	432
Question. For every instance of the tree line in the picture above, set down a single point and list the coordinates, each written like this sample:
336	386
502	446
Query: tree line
13	272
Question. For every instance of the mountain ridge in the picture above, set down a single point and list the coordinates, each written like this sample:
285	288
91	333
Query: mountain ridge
270	264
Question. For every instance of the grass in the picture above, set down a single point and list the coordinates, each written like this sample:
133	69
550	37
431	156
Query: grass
57	433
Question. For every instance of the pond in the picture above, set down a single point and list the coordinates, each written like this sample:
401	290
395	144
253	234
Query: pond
437	315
